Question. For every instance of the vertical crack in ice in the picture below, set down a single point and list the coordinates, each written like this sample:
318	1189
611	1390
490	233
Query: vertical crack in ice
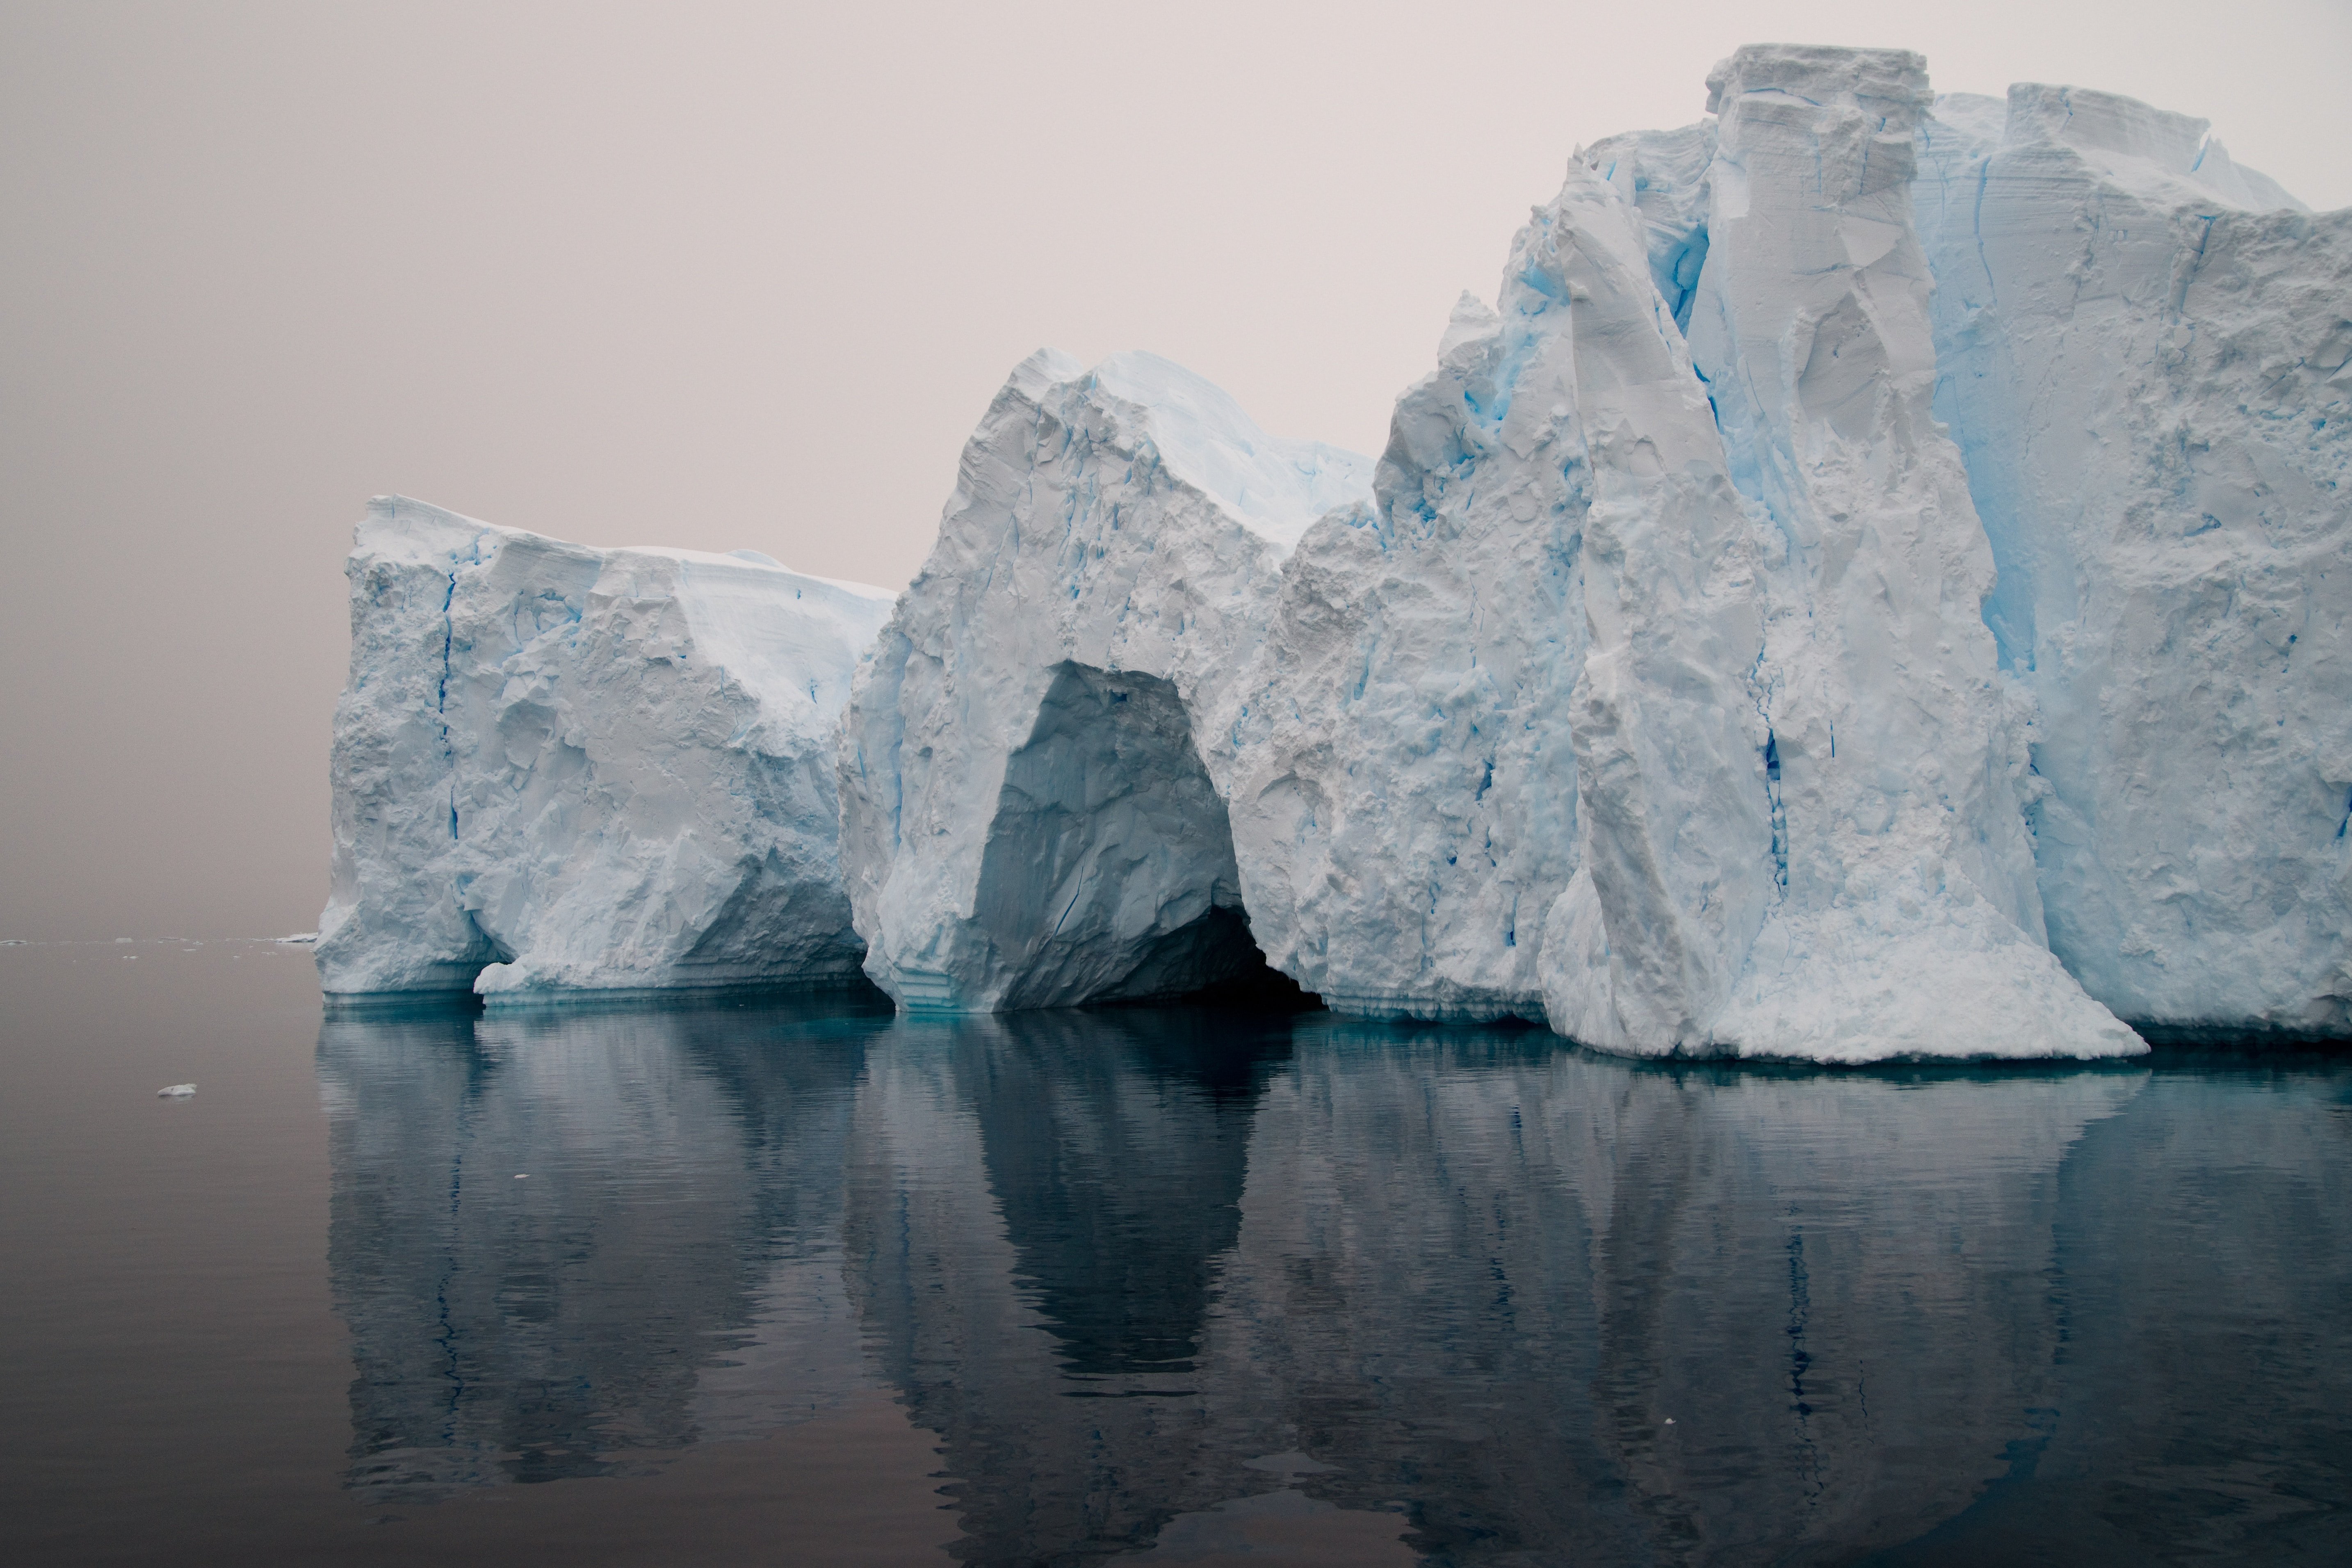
1984	174
441	697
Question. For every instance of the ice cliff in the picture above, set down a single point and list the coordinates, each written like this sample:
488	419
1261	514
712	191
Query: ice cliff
1874	583
1903	915
558	769
1727	656
2145	353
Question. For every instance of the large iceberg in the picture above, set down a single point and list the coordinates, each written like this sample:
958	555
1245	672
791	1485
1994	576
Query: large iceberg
1663	688
561	770
1873	586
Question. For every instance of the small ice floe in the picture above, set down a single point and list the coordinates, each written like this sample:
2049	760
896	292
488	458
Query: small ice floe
300	936
521	1177
1670	1420
176	1091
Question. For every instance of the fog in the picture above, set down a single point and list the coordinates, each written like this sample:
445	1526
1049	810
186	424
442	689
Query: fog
740	275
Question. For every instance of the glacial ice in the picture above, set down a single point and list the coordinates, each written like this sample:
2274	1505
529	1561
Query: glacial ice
1404	803
2142	349
1659	690
561	770
1032	796
1873	586
1906	918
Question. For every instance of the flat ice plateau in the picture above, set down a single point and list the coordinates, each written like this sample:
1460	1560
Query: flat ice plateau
1871	585
561	770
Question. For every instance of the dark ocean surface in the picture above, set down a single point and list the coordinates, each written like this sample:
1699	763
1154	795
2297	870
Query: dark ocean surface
803	1282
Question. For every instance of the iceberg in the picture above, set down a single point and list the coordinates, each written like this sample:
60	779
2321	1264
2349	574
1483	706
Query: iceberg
1873	586
560	770
1652	691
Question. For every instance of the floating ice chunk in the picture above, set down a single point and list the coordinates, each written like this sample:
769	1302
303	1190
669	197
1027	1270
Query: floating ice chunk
176	1091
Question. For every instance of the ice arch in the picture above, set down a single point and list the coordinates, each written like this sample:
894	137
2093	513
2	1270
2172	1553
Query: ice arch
1132	518
1109	872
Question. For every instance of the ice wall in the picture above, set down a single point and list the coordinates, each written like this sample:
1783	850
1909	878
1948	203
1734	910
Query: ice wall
1654	697
2143	350
1908	920
561	770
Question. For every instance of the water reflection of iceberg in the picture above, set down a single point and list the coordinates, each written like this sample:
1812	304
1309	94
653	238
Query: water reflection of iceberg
1037	1207
1517	1270
1514	1302
1467	1276
666	1271
2204	1265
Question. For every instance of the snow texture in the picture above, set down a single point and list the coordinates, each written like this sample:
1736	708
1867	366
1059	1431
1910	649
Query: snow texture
1405	797
560	770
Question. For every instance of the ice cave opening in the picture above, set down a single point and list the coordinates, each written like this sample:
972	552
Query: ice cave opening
1110	874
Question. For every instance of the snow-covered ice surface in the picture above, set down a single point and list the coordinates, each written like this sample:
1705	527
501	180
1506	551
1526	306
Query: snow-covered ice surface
560	770
2145	353
1032	811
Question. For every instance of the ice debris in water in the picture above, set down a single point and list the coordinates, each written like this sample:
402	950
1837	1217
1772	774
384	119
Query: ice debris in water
1872	585
176	1091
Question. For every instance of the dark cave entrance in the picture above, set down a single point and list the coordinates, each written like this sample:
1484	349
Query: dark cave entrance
1108	876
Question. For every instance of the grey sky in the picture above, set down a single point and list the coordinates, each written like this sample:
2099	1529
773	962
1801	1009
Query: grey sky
729	276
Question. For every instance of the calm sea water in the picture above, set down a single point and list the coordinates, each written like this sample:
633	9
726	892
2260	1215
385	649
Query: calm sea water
809	1283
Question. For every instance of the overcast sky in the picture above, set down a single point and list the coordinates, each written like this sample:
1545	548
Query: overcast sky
743	276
